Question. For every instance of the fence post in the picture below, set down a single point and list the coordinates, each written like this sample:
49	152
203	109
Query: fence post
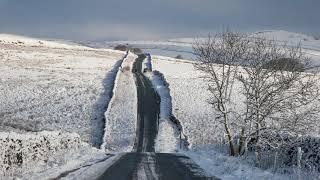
299	157
180	140
275	161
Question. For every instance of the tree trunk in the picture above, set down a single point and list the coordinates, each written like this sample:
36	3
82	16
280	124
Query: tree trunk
231	145
242	142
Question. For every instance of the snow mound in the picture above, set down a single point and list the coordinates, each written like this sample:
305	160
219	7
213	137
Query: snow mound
121	115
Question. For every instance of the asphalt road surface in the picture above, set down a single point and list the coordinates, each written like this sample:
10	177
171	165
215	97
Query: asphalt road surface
144	163
148	110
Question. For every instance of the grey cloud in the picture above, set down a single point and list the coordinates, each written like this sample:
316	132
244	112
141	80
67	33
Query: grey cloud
143	19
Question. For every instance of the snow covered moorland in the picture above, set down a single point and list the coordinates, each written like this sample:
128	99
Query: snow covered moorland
50	86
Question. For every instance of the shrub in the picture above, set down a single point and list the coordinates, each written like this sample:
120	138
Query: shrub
179	57
285	64
126	68
136	50
120	47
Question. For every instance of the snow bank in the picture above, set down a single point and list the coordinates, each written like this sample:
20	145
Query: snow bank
121	115
103	102
23	151
162	88
168	133
147	65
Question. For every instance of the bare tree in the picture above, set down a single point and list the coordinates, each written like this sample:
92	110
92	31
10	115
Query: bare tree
226	49
278	94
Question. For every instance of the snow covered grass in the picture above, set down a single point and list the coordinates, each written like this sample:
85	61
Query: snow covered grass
216	162
189	99
51	87
23	151
121	115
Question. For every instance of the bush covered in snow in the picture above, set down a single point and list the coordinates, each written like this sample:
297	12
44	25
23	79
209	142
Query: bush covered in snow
19	151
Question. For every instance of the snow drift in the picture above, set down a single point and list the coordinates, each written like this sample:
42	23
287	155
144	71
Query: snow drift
168	133
121	115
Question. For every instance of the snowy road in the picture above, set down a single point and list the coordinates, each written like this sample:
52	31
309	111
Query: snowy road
148	111
153	166
144	163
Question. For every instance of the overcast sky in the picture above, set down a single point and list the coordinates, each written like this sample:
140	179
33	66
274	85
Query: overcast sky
153	19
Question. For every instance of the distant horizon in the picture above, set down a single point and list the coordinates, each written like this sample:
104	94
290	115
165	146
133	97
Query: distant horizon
155	39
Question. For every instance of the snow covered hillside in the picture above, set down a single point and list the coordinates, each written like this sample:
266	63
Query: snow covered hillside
52	86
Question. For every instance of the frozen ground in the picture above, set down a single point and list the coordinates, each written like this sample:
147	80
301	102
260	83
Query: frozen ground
52	86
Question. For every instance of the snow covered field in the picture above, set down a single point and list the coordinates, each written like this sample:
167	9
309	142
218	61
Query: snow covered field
52	86
189	100
190	106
